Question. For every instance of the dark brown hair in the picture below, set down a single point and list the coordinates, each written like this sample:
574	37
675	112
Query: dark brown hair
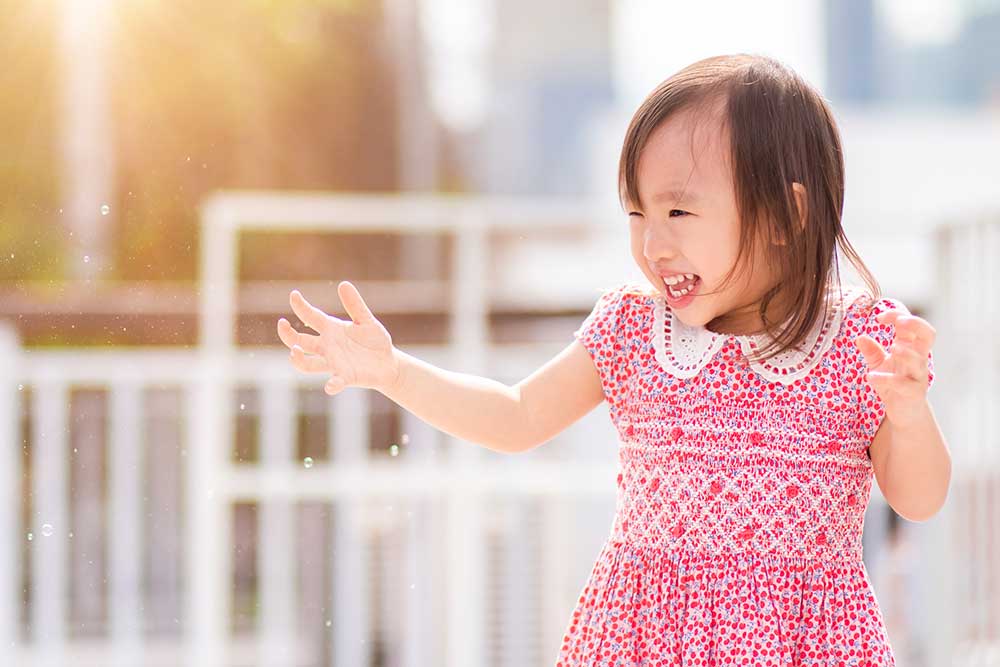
780	131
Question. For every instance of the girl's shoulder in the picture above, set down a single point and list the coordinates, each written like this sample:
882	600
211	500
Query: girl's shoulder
862	307
636	295
629	295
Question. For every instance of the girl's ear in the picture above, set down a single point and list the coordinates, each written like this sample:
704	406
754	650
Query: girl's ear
802	204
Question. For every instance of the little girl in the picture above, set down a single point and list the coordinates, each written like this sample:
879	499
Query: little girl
753	393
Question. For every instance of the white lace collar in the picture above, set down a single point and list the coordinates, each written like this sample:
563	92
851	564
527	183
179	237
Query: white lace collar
683	350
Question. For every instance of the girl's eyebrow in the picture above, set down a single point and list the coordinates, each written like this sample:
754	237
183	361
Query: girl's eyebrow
688	196
676	195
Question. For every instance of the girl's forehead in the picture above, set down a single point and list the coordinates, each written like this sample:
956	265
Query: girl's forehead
688	139
683	155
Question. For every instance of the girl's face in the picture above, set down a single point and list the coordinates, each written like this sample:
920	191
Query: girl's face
688	223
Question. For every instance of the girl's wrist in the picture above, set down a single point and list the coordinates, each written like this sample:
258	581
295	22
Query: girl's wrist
915	420
394	376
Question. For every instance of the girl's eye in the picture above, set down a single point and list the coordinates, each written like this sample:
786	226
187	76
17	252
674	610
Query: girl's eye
678	211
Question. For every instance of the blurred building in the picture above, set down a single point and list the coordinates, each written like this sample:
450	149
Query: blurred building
549	75
943	53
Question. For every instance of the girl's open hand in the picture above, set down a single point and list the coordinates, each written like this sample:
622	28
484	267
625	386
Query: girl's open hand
354	353
900	377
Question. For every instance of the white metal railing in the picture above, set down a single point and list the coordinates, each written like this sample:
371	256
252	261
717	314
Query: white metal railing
444	484
348	482
961	547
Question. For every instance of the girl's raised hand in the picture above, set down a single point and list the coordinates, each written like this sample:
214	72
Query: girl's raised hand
900	377
355	353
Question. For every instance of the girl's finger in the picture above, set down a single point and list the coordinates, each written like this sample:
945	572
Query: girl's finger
912	325
889	316
289	336
308	313
355	306
308	364
909	362
918	329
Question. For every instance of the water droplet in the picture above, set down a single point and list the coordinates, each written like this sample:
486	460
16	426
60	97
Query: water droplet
405	439
243	406
20	387
86	259
105	209
47	529
329	623
71	533
394	450
30	536
307	462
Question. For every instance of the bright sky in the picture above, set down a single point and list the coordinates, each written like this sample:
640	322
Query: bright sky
655	39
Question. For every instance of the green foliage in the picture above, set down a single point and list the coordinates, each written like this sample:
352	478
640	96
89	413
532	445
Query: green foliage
30	237
276	94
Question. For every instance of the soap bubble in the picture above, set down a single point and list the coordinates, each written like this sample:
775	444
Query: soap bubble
307	462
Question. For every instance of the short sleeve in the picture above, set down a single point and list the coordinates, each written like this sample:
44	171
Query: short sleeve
603	334
871	403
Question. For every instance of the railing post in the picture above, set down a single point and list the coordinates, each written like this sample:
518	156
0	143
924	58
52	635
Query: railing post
209	442
125	482
276	624
208	565
10	487
465	623
50	477
349	433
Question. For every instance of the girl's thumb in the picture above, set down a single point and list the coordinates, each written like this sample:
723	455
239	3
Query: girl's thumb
870	349
333	385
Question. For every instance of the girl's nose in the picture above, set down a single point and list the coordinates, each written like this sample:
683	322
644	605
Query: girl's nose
659	247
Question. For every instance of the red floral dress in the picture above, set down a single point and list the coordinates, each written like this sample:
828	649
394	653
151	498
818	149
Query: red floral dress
741	494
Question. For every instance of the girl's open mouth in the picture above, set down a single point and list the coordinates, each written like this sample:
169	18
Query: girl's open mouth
682	293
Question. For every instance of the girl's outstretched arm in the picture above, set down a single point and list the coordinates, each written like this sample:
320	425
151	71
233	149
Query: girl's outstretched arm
508	419
500	417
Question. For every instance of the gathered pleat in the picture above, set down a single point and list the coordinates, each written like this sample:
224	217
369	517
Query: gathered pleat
642	609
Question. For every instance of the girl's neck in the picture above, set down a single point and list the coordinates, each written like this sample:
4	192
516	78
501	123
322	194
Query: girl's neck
746	320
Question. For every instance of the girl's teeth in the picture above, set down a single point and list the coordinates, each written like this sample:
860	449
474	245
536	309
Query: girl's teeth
681	278
678	279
